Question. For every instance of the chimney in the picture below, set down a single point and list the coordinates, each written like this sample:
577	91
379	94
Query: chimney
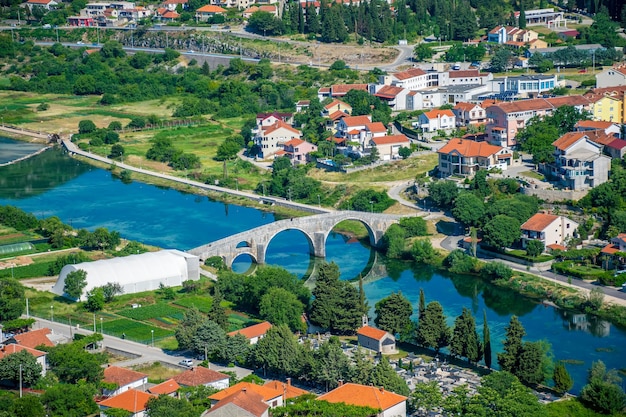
288	382
340	383
382	389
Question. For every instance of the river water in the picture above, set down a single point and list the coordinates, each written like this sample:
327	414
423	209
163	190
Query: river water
86	197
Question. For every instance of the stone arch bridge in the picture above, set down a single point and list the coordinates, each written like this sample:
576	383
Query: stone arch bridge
254	242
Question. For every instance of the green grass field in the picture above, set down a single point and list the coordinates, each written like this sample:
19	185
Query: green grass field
202	303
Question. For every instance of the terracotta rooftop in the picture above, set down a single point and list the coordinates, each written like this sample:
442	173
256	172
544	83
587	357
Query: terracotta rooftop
292	142
337	115
385	140
199	375
280	125
266	392
556	246
170	15
524	105
593	124
363	395
389	92
568	140
175	2
165	387
255	330
433	114
343	89
352	121
539	222
121	376
209	8
375	127
130	400
288	390
248	400
14	348
39	1
465	73
617	144
610	249
336	103
574	100
410	73
469	148
372	332
34	338
465	106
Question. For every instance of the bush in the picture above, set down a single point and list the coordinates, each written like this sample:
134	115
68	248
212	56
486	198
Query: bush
461	263
97	141
414	226
43	107
496	270
86	126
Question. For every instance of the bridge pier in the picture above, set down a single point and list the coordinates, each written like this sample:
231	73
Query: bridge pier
260	253
319	244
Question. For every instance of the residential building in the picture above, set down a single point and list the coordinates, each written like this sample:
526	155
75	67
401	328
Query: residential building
298	151
336	106
350	126
468	77
469	114
548	17
243	403
288	390
269	119
270	139
618	244
33	338
435	120
612	77
124	379
206	12
171	5
40	356
377	340
505	34
81	21
389	403
579	162
132	401
550	229
537	44
44	4
608	103
530	85
199	375
466	157
255	332
389	146
169	387
272	397
236	4
609	128
411	79
395	97
302	105
271	9
339	90
165	15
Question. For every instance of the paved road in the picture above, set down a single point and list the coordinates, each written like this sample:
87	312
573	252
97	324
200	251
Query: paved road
146	354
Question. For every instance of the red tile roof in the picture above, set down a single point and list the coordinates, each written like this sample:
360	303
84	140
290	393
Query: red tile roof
14	348
568	140
209	8
389	92
294	143
248	400
575	100
255	330
410	73
266	392
375	127
199	375
372	332
352	121
121	376
610	249
556	246
337	115
343	89
466	74
539	222
165	387
288	390
617	144
336	103
131	400
280	125
34	338
386	140
433	114
170	15
363	395
465	106
593	124
38	1
469	148
524	105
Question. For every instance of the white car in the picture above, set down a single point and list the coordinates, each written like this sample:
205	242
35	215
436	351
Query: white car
186	362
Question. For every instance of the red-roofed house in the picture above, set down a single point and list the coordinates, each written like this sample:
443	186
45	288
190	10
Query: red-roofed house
411	79
173	4
549	229
466	157
288	390
395	97
270	139
618	244
33	338
298	150
389	146
302	105
253	333
123	378
81	21
352	124
336	106
243	403
132	401
45	4
435	120
273	10
268	119
389	403
339	90
468	114
467	77
377	340
40	356
199	375
272	397
169	387
609	128
165	15
204	13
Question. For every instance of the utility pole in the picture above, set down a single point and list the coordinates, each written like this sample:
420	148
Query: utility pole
20	380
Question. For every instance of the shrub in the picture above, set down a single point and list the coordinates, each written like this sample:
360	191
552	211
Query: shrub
414	226
86	126
461	263
43	107
496	270
97	141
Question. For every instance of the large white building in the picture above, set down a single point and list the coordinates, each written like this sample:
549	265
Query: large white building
135	273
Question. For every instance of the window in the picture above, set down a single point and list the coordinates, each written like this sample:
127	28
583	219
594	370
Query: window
567	227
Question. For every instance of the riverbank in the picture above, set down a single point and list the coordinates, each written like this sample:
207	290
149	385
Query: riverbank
22	158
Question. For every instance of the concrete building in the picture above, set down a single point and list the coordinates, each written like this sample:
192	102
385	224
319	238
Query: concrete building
466	157
608	103
395	97
469	114
206	12
612	77
377	340
389	146
579	162
505	34
135	273
169	387
389	403
468	77
270	139
336	106
272	397
550	229
243	403
548	17
298	151
530	85
199	375
435	120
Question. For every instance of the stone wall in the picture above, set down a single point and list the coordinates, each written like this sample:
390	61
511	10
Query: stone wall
555	195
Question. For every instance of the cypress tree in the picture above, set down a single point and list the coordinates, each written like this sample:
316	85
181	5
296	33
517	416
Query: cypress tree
464	340
508	360
217	313
522	16
563	381
422	304
486	341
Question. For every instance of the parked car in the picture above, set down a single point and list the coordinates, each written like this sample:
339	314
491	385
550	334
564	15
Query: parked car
186	362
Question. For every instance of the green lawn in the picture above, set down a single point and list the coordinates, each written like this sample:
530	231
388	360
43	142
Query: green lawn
202	303
533	174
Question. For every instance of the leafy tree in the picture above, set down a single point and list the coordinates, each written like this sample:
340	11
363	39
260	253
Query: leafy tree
393	313
534	248
27	406
469	209
602	392
72	363
111	138
443	193
11	299
209	338
461	263
331	364
423	52
512	346
117	151
563	381
112	49
414	226
308	405
266	23
501	231
496	270
227	149
95	300
217	312
383	375
465	341
432	329
110	290
529	364
115	124
70	400
21	366
426	397
75	282
500	60
486	341
237	349
86	126
277	352
166	406
393	241
279	306
423	251
187	328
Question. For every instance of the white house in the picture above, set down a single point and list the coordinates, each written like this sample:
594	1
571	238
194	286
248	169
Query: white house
253	333
389	146
124	379
466	157
435	120
389	403
611	77
270	139
549	229
469	114
45	4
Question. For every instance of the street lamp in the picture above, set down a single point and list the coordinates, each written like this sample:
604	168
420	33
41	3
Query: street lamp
237	182
371	206
101	326
263	184
51	313
152	331
319	203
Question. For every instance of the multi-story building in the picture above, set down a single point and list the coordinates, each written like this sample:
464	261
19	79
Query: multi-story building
270	139
435	120
469	114
611	77
550	229
466	157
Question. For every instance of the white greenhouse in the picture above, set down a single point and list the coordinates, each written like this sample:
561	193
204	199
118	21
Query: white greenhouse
135	273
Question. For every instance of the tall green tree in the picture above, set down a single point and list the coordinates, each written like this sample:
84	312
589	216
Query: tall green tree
469	209
209	338
186	329
331	364
166	406
71	363
393	313
75	282
602	392
12	302
20	367
501	231
465	341
421	307
512	346
432	330
563	381
426	397
217	312
486	341
443	193
70	400
279	306
277	352
383	375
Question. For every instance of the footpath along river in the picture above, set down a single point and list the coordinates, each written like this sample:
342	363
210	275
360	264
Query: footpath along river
85	197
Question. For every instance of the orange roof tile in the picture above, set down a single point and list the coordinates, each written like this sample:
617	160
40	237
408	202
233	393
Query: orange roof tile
389	91
539	222
610	249
251	9
269	9
372	332
170	15
568	140
574	100
266	392
292	142
375	127
288	390
433	114
336	103
255	330
175	2
524	105
556	246
465	106
351	121
465	73
209	8
249	400
121	376
469	148
343	89
363	395
165	387
280	125
199	375
39	1
337	115
7	350
34	338
386	140
594	124
410	73
130	400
